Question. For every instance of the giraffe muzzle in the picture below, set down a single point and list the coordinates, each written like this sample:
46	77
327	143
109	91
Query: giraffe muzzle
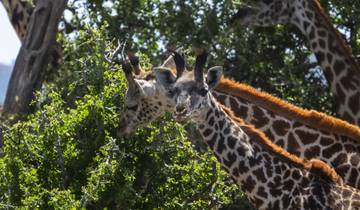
181	113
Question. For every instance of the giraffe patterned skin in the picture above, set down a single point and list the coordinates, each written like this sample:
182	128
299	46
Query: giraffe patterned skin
19	12
307	134
270	177
335	58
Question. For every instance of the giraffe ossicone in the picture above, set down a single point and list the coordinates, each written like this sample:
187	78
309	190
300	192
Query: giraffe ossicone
340	68
270	177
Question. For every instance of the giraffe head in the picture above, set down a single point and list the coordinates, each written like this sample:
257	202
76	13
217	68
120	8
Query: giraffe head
145	100
190	93
266	12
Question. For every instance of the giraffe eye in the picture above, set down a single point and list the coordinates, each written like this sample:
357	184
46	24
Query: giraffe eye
133	108
202	91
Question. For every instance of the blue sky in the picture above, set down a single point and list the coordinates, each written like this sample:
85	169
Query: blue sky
9	42
9	47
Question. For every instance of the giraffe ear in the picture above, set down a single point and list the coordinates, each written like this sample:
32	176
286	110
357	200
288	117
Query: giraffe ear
214	76
164	76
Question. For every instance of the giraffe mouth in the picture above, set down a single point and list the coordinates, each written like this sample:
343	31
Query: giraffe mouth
181	116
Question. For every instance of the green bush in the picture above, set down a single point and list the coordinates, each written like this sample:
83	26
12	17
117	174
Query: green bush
67	155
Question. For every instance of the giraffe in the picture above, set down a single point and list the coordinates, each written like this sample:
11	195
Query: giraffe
270	177
340	68
19	12
307	134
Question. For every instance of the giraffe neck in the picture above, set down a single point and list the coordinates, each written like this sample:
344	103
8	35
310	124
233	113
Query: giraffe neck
334	56
19	13
307	134
270	177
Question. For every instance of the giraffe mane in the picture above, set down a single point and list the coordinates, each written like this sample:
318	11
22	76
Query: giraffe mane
315	166
346	50
311	118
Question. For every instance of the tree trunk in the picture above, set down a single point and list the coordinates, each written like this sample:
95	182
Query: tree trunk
34	56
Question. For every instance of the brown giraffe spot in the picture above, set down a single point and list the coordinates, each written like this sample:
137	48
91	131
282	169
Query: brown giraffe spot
354	102
211	121
261	192
276	205
330	151
221	123
243	168
339	66
329	57
231	158
296	174
320	56
325	141
322	43
259	119
288	185
207	132
306	137
286	200
249	184
254	160
328	74
221	145
274	188
348	82
354	174
322	33
259	174
226	130
281	127
312	152
312	33
241	152
350	148
231	141
286	174
220	98
340	93
277	169
309	14
340	159
314	45
317	190
306	25
343	170
235	172
201	126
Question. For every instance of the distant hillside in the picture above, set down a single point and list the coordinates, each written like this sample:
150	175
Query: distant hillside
5	72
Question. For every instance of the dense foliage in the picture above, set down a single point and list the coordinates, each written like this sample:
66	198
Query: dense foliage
67	154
